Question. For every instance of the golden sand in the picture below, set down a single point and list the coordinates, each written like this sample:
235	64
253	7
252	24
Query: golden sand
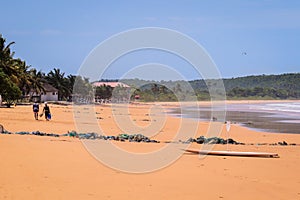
35	167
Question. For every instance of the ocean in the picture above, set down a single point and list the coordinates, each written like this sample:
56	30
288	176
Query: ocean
281	117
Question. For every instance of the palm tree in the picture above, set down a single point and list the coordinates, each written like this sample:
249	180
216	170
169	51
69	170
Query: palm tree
8	87
37	81
23	78
71	79
6	57
16	69
83	90
57	79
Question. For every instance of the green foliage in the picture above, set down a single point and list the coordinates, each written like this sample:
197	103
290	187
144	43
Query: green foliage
259	92
57	79
82	91
284	86
121	94
9	91
203	95
82	86
103	92
17	76
156	92
162	90
10	73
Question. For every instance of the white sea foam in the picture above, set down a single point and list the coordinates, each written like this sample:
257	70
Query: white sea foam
278	107
274	117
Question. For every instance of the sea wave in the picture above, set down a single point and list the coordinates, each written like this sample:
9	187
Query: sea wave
280	107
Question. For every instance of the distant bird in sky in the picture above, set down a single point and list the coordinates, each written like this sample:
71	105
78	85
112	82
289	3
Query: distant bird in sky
244	53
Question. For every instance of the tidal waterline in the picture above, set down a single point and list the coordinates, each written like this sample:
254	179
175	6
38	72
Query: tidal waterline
281	117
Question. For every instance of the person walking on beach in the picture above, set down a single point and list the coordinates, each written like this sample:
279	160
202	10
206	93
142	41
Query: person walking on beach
35	108
46	111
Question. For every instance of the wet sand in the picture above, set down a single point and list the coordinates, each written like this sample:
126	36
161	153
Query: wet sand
252	114
41	167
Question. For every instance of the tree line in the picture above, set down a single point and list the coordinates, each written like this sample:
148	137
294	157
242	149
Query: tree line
17	79
283	86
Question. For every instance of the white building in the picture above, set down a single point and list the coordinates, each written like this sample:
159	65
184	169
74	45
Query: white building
50	94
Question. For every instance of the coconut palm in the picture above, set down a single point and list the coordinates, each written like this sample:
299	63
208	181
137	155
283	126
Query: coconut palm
23	78
16	69
71	79
37	81
8	87
6	58
57	79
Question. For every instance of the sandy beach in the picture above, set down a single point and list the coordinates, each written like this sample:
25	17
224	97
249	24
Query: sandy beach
43	167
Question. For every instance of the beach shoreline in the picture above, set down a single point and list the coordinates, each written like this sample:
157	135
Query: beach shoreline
62	168
264	116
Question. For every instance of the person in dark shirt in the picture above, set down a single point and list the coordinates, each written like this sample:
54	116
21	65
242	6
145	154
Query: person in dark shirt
35	108
46	110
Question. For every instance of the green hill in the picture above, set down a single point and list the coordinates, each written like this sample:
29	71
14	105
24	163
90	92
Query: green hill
283	86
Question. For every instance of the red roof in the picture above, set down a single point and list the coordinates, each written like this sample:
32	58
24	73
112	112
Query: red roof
111	84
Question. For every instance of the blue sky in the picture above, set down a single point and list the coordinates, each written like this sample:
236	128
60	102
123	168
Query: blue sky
60	34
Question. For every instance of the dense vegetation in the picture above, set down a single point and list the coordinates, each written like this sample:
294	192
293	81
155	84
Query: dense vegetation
18	80
284	86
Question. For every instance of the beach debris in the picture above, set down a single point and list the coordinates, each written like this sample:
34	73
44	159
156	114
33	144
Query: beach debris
121	137
38	133
293	144
138	138
22	133
141	138
91	136
212	140
283	143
